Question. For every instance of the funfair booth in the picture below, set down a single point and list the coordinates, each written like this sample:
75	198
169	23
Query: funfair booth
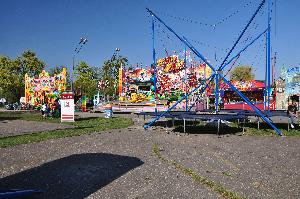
44	88
253	89
173	80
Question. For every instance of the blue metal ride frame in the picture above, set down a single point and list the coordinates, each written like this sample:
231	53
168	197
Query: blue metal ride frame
174	105
244	30
266	75
154	64
13	193
228	54
269	55
217	92
252	106
184	40
245	48
195	102
238	55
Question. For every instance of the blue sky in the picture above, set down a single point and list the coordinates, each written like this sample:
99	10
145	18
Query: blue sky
53	28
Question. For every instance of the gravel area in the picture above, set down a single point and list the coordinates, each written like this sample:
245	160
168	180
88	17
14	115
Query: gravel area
120	164
19	127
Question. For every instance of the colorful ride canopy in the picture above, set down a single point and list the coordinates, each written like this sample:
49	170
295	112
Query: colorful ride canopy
251	85
44	86
173	76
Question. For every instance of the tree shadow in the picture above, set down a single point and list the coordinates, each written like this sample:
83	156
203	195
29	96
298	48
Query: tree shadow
76	176
87	118
4	116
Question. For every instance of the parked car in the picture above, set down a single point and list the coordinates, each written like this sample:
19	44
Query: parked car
14	106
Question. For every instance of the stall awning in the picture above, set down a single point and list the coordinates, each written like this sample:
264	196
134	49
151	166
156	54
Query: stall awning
251	85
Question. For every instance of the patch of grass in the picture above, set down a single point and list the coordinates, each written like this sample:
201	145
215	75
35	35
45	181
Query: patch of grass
266	130
271	132
199	179
86	126
226	173
28	116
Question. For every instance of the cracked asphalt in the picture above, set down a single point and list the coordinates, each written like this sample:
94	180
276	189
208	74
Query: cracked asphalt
120	164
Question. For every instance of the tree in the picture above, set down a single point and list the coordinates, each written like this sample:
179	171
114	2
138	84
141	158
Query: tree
12	74
55	70
9	79
58	69
110	72
242	73
30	64
86	80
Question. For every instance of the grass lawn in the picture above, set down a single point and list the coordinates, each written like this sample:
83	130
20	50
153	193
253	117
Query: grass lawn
82	126
29	116
266	130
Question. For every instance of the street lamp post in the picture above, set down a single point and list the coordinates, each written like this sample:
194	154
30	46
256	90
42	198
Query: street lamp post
116	80
76	51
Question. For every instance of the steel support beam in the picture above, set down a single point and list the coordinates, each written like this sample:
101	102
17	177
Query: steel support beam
244	30
181	99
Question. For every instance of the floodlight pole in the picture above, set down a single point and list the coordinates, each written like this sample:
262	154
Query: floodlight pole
185	80
73	63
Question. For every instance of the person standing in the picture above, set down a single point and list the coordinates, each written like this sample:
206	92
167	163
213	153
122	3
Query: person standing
292	113
43	109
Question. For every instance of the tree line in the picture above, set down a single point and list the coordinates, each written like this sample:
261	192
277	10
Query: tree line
12	75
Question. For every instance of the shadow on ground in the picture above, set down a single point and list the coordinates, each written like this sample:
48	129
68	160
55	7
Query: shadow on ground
76	176
5	119
208	129
196	127
4	116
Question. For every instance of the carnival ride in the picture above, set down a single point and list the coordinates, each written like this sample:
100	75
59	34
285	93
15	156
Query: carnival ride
44	88
38	90
137	85
252	89
217	74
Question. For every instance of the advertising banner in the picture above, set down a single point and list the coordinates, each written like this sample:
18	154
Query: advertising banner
67	107
120	81
292	81
83	103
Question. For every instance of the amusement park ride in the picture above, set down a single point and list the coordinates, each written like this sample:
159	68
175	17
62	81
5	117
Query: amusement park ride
50	87
217	75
